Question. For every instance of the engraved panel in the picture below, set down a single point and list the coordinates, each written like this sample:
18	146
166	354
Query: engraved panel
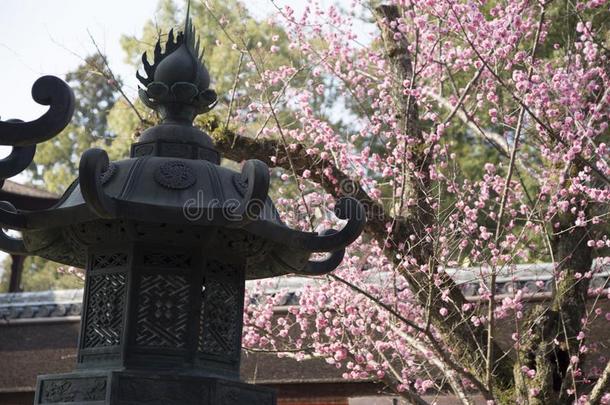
152	391
242	242
100	358
221	312
96	232
178	150
163	232
104	313
163	309
73	390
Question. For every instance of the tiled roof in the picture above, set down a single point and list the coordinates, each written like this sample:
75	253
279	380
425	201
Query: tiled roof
43	304
30	191
67	303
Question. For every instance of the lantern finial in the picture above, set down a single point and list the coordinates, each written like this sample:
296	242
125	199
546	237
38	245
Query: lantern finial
177	82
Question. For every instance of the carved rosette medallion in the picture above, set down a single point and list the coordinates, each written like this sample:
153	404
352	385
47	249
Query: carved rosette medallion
175	175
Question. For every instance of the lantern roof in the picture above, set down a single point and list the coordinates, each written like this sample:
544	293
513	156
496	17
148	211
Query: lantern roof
171	188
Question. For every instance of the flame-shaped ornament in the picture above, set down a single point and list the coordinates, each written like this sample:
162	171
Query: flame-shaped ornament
177	83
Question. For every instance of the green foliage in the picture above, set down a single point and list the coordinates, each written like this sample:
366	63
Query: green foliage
563	18
39	275
57	160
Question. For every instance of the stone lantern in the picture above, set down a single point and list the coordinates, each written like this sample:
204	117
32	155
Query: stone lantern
168	238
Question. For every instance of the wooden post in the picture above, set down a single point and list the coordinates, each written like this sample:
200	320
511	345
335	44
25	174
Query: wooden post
16	272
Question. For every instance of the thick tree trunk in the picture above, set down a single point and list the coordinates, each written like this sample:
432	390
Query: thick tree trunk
467	342
553	331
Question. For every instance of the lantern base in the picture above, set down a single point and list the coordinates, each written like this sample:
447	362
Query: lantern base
133	387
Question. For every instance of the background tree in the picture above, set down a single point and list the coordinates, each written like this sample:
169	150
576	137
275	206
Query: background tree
445	85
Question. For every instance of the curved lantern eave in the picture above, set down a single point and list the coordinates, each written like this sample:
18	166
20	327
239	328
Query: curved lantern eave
23	137
293	247
50	91
289	253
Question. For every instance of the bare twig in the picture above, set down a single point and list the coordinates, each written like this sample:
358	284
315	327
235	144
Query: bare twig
497	140
283	138
109	75
460	102
230	110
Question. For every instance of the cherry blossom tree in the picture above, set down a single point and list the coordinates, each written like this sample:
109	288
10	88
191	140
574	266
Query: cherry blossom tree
475	134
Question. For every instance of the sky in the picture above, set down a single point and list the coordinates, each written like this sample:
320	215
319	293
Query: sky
50	37
41	37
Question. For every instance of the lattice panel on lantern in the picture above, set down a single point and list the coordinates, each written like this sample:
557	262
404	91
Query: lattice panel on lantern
221	311
104	314
104	261
167	260
162	313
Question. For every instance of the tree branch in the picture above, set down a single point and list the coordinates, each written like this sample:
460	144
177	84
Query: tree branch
601	386
238	147
499	223
497	140
109	75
